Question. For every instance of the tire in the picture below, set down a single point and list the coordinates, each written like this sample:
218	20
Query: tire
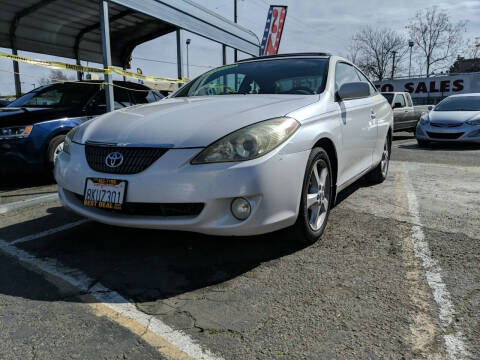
306	230
54	146
380	172
423	143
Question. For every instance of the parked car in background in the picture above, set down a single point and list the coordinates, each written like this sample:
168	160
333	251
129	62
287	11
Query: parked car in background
4	103
33	127
454	119
405	115
249	148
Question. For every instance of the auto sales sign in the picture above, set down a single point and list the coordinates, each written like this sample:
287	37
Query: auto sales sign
273	30
434	86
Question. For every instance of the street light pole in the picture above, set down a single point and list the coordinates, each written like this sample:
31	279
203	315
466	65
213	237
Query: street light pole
188	63
235	53
410	44
393	63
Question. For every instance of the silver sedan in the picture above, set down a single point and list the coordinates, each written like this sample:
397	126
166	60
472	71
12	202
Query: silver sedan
244	149
455	119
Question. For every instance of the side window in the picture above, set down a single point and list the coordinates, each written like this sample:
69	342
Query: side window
121	98
344	73
409	100
363	78
399	99
140	97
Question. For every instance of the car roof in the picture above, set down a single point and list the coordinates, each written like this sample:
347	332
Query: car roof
130	84
290	55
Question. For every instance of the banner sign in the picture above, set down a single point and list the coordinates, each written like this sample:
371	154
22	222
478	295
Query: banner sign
435	86
273	30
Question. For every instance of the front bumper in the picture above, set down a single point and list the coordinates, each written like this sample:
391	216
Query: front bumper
272	184
20	155
462	133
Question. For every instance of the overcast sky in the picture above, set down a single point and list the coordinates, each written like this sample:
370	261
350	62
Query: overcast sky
311	25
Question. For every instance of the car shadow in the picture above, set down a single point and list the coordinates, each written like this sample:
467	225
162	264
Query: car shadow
442	146
345	193
14	181
148	265
403	137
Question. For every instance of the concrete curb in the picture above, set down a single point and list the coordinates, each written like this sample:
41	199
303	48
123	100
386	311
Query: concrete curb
5	208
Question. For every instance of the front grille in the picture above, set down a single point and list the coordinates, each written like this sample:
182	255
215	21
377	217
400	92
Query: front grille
446	125
135	159
154	209
435	135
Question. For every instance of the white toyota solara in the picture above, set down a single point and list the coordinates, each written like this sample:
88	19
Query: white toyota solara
244	149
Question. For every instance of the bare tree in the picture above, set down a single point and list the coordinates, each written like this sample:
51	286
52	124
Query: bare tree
375	50
438	40
472	49
55	76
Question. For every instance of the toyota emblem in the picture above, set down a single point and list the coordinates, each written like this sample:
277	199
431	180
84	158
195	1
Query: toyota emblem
114	159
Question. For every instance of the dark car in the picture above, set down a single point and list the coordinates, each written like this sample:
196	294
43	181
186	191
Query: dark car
33	127
4	102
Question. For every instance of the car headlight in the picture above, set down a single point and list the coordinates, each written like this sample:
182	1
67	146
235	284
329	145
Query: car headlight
68	140
473	122
424	120
249	142
15	132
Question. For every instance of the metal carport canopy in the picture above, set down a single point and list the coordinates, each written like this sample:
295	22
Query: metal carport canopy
72	29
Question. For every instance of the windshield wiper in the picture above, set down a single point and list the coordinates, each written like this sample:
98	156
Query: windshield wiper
234	93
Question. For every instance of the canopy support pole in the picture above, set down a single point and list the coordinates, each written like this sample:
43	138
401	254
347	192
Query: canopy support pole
179	54
79	73
16	75
107	57
224	54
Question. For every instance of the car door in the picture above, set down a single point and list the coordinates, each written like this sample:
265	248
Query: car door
400	120
356	116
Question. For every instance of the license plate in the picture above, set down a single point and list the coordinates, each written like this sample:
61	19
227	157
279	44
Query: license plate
105	193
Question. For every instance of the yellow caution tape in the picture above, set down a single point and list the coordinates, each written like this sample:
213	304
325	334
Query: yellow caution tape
80	68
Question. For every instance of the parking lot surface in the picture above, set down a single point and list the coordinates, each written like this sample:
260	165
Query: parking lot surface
395	276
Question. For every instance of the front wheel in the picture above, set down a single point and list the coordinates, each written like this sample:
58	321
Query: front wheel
380	172
55	147
317	195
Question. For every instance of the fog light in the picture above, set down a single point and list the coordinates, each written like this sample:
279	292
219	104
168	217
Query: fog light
241	208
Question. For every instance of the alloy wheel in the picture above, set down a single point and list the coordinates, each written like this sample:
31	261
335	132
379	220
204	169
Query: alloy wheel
57	151
385	159
318	195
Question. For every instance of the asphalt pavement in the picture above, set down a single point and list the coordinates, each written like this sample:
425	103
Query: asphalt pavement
395	276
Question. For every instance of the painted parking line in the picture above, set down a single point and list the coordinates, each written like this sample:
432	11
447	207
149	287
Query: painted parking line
455	345
173	344
5	208
50	231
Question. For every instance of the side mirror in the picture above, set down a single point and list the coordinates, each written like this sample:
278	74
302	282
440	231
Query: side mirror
397	105
430	107
353	90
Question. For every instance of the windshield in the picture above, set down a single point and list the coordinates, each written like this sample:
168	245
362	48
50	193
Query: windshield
389	97
57	95
279	76
459	103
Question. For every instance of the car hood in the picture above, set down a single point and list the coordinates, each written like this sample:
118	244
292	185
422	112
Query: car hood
452	117
188	122
11	116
